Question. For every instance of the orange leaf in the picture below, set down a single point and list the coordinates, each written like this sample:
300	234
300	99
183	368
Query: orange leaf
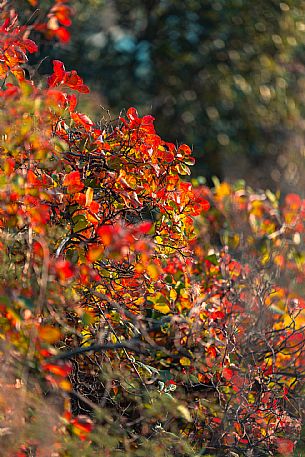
49	334
95	253
153	271
73	182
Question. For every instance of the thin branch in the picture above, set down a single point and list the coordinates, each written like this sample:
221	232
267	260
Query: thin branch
132	345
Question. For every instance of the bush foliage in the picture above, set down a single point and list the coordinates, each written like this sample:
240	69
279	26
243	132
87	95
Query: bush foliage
140	313
232	70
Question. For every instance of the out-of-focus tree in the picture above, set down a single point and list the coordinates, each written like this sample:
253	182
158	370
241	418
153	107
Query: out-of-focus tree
226	76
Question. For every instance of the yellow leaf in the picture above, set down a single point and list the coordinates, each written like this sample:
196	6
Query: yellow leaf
184	293
185	412
223	190
173	294
153	271
159	239
65	385
87	316
162	308
89	196
113	338
139	268
251	398
185	362
86	337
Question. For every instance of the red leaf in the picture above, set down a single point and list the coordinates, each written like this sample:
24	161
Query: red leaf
168	156
95	253
212	351
205	205
144	227
227	373
32	179
217	315
73	182
82	425
185	149
30	45
293	201
67	78
58	75
132	114
62	34
147	120
64	269
72	100
62	13
106	233
82	119
285	446
216	420
60	368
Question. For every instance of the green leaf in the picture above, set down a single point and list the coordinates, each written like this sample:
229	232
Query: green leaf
212	258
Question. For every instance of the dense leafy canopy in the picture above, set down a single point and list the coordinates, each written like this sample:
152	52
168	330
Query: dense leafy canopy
225	76
139	313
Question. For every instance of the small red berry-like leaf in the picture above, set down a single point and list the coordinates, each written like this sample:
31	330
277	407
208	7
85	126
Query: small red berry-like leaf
216	420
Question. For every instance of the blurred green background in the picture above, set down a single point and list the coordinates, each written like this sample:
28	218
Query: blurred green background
226	77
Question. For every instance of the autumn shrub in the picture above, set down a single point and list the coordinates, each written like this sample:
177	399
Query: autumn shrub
140	313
